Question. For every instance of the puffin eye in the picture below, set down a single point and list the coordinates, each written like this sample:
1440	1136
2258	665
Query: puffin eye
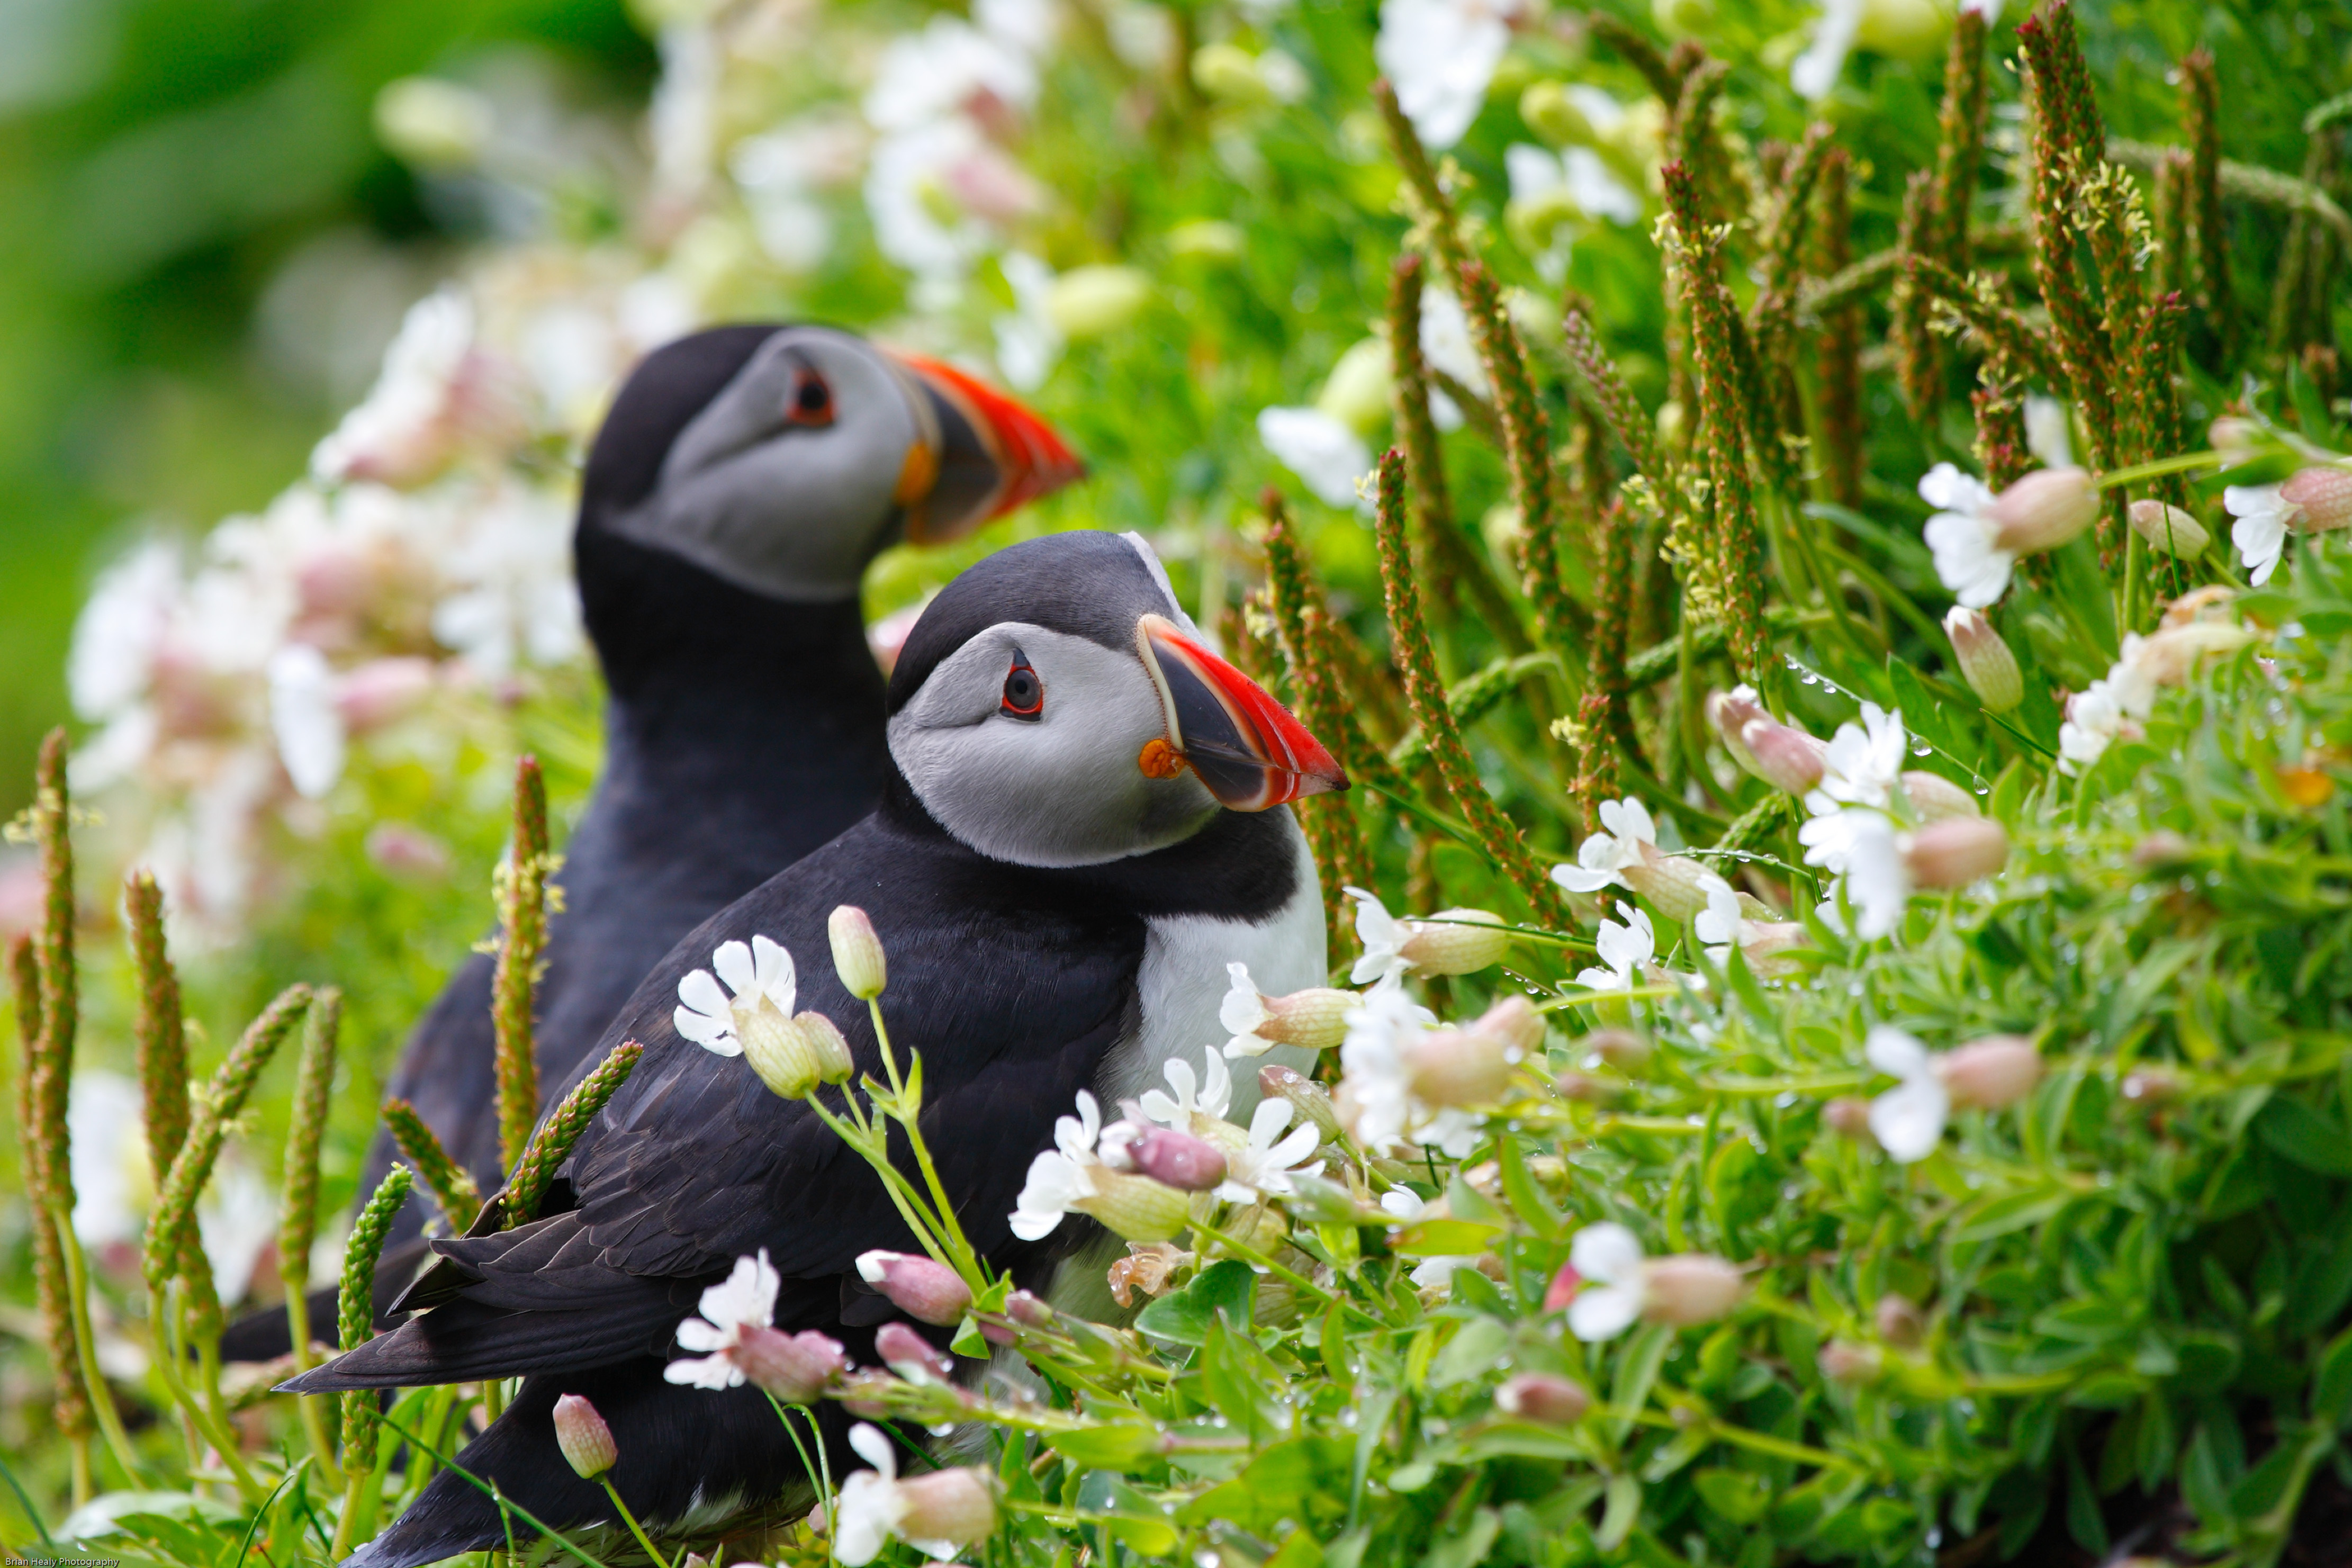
1024	694
810	402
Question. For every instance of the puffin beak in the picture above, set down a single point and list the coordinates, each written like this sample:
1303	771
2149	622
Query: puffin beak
1239	741
979	453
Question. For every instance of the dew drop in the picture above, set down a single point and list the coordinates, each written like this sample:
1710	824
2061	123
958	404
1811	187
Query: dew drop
1922	751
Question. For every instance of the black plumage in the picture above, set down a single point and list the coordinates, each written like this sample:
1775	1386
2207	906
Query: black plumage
1013	983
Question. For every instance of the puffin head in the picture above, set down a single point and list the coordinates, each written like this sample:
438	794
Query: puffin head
1056	707
783	459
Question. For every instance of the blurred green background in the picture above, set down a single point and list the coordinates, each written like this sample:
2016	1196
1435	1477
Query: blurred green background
203	250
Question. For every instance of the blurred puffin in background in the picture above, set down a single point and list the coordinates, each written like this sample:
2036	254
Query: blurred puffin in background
1084	820
742	482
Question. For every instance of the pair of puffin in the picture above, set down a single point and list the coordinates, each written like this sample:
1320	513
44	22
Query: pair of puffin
1058	905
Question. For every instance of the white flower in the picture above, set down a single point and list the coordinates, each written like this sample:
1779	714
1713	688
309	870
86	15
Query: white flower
1446	344
1379	1106
2049	433
1863	763
1862	846
760	976
1580	171
1440	56
1964	536
412	421
1408	1208
779	172
303	717
2263	513
1907	1120
746	1298
932	191
1059	1179
867	1513
1028	344
1242	1013
1625	950
948	68
1201	1103
1383	938
1327	457
1718	925
1602	858
1609	1257
1262	1167
1815	72
122	628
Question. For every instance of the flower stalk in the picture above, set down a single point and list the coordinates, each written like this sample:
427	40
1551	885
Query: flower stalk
355	1315
297	1211
519	1202
522	901
454	1191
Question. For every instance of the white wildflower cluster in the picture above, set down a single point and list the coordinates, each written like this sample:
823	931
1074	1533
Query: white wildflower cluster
2113	706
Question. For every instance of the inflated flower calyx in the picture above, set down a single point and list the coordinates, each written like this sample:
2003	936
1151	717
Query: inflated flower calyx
1986	662
1623	1049
924	1288
1095	302
1675	885
955	1505
1541	1396
1988	1074
1180	1160
1937	798
1956	851
795	1368
1309	1099
910	1355
1899	1321
1843	1360
857	955
1458	1067
1134	1208
1786	758
1690	1287
2043	510
1455	942
794	1055
2323	497
586	1441
1848	1116
2168	529
1729	713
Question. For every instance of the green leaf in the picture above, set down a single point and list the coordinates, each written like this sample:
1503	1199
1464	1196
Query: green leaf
2331	1390
1735	1496
2297	1131
1528	1200
1183	1318
1637	1369
2012	1212
1444	1239
1133	1517
1619	1511
1474	1352
1119	1447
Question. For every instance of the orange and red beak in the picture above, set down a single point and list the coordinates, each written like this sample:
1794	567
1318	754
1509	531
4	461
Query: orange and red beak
981	456
1239	741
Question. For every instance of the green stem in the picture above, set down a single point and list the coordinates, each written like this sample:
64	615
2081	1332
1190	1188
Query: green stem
2156	468
314	1421
605	1480
505	1504
222	1437
819	1470
102	1396
966	1261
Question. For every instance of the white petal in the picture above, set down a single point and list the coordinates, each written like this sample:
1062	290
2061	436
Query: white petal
696	1335
701	992
1890	1050
1327	457
1607	1252
874	1447
1243	1009
1162	1109
716	1034
772	969
711	1371
733	962
1908	1120
1293	1149
1267	1122
1603	1311
746	1296
1216	1087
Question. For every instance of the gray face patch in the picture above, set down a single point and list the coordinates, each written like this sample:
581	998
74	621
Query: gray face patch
1063	789
793	511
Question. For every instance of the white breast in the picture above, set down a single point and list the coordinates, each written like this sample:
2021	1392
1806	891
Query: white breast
1183	981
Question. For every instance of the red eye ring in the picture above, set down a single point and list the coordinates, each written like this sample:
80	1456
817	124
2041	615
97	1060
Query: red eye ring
1024	694
810	402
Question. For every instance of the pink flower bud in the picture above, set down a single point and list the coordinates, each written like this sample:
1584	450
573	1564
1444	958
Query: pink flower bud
1189	1164
1586	1090
380	690
1689	1288
910	1355
1899	1322
2161	848
957	1505
867	1394
2151	1086
1623	1049
1730	713
1990	1073
2043	510
1786	758
2324	494
2234	439
586	1441
1458	1067
1956	851
1563	1288
1986	663
1454	941
924	1288
1675	884
2168	529
795	1368
1936	798
1310	1099
1028	1310
1848	1117
1515	1021
1542	1397
1843	1360
1314	1018
856	952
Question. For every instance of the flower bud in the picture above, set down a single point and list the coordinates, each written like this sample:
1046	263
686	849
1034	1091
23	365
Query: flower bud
1028	1310
1515	1021
1095	302
1730	713
867	1394
1551	112
1181	1160
2234	440
1563	1288
856	952
924	1288
1675	884
1312	1099
1786	758
1843	1360
793	1055
2168	529
375	693
1586	1090
1454	941
1689	1288
1993	1072
1848	1117
1900	1323
1542	1397
1623	1049
2043	510
2160	849
1314	1018
2151	1085
586	1441
1956	851
910	1355
795	1368
1135	1207
2325	495
957	1505
1937	798
1458	1067
1986	663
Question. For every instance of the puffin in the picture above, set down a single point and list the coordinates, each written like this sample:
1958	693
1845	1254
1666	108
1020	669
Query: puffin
741	483
1083	820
